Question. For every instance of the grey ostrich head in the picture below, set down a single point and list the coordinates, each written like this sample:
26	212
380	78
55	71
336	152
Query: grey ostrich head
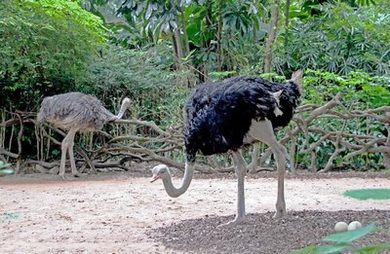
159	172
126	102
124	106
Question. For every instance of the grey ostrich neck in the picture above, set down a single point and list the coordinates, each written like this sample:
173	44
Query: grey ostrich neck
176	192
122	110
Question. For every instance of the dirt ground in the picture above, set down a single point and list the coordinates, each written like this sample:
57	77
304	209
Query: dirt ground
123	213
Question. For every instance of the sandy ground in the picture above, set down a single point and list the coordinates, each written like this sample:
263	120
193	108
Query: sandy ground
114	213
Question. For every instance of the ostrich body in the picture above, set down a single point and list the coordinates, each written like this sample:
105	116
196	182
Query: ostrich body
76	112
226	115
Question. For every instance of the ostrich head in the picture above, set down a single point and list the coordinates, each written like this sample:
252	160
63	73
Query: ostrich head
126	102
125	105
160	171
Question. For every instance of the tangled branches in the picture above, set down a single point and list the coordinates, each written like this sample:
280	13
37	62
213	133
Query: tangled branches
320	136
342	127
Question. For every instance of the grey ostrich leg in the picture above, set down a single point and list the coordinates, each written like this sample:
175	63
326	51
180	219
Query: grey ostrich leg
240	168
264	132
71	153
67	147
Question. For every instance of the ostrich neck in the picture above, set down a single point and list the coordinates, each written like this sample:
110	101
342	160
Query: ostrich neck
176	192
121	112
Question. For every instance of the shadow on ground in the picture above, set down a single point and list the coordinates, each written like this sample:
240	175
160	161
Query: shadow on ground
262	234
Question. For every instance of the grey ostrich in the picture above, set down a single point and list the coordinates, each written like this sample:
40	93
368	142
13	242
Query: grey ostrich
76	112
226	115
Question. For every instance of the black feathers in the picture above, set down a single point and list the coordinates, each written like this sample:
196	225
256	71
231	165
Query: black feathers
219	114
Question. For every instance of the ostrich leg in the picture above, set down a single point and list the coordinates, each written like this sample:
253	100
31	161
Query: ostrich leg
64	150
240	167
264	132
66	143
72	134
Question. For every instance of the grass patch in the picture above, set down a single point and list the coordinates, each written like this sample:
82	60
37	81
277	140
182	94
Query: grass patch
364	194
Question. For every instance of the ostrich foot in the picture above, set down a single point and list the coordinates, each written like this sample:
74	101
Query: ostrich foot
237	220
79	175
63	177
76	174
280	212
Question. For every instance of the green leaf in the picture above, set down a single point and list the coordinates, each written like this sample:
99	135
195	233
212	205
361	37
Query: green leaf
349	236
363	194
329	249
332	249
6	171
378	248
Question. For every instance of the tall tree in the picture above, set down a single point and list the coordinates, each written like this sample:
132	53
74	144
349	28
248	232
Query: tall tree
271	36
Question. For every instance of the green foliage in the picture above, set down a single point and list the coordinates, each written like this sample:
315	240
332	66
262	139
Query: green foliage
363	194
342	40
53	46
337	36
344	241
239	26
378	248
360	88
205	25
153	17
45	47
144	76
219	75
360	91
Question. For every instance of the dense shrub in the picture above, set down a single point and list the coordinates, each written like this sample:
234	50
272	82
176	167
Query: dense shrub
144	75
43	49
360	91
342	39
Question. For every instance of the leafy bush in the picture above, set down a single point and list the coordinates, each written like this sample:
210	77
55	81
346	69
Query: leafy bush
45	47
361	91
144	75
342	39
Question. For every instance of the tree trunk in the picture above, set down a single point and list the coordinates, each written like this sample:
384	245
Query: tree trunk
286	23
186	51
219	36
185	34
386	156
177	40
175	51
271	36
179	44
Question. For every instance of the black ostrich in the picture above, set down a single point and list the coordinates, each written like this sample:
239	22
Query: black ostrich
223	116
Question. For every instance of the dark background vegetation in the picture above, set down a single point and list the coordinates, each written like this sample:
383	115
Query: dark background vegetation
155	52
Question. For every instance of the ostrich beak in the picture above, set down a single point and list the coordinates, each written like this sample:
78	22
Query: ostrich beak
155	178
